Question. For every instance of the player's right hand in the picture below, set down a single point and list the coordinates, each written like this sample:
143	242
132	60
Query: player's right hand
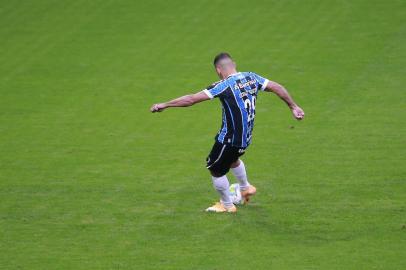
158	107
298	113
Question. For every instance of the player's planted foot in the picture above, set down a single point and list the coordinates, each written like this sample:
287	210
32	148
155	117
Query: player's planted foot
218	207
247	193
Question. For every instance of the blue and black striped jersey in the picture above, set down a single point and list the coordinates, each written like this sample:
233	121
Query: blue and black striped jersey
238	94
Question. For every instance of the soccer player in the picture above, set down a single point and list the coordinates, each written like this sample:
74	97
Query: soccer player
237	92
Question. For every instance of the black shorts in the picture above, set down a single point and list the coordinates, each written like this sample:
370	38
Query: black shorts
222	156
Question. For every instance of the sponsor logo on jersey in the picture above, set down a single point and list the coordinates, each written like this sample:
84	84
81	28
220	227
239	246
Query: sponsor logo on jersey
243	85
248	92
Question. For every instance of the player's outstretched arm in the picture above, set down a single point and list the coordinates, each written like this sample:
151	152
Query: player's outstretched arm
184	101
281	92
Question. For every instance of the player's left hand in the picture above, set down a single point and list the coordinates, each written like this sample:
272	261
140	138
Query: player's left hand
158	107
298	113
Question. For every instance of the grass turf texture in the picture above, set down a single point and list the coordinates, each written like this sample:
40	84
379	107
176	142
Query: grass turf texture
89	179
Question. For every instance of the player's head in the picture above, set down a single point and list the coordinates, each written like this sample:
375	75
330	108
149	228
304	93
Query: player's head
224	65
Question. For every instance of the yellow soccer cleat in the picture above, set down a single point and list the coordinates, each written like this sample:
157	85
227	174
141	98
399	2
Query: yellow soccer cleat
218	207
246	194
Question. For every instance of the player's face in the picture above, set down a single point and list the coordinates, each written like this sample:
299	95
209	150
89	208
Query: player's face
218	71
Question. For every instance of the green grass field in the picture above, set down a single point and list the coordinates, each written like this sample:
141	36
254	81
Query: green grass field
90	179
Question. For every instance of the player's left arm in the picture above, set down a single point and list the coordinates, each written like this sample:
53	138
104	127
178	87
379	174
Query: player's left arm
184	101
281	92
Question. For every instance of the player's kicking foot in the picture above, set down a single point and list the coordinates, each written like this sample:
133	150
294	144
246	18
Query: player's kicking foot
246	194
220	208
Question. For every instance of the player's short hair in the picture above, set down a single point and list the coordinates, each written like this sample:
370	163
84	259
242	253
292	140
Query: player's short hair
220	57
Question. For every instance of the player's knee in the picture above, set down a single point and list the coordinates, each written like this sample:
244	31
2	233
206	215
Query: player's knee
215	174
235	164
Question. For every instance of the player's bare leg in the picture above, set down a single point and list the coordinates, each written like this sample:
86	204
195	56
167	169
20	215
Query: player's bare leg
247	190
222	186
